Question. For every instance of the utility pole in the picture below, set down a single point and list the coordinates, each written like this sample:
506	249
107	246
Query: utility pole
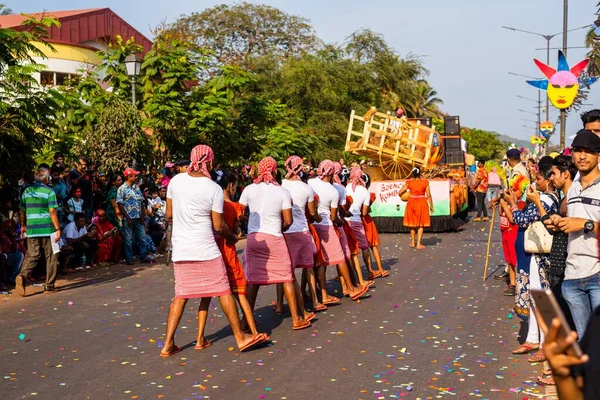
563	113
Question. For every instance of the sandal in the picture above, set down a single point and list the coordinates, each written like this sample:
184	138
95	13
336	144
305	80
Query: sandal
545	381
360	293
204	345
538	357
385	273
331	300
374	275
526	348
320	307
174	350
304	325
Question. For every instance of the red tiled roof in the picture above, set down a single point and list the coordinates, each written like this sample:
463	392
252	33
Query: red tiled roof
78	26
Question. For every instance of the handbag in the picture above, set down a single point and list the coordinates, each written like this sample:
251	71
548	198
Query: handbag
537	239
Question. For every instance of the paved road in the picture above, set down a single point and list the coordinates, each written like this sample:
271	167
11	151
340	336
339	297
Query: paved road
430	330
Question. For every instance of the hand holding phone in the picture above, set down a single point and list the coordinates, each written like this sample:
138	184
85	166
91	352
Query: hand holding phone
546	310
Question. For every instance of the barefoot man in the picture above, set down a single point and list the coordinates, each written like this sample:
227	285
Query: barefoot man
195	207
329	199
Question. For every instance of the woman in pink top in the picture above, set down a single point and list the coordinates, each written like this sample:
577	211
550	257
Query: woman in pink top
494	185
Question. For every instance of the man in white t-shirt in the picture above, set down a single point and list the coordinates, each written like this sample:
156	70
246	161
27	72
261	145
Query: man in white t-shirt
581	285
266	256
74	245
195	207
298	237
329	199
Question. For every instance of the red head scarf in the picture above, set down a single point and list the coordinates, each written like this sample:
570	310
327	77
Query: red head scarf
325	168
337	170
356	177
266	167
293	165
200	156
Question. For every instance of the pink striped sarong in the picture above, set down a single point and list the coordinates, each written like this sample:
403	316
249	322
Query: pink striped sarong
301	248
266	259
359	231
330	244
195	279
344	242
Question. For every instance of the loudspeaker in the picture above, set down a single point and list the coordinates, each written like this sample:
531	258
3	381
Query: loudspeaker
453	157
452	144
451	126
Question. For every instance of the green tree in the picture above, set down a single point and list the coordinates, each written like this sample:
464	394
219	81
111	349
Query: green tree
484	145
26	114
170	72
239	34
112	142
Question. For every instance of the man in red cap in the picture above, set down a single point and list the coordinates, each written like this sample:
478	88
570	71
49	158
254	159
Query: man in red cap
129	200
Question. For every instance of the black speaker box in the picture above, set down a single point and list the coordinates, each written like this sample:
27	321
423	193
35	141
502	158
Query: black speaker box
452	144
453	157
451	126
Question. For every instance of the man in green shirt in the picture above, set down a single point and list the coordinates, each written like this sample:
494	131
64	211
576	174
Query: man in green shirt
39	220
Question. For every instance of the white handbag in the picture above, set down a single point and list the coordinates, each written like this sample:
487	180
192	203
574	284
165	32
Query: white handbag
537	239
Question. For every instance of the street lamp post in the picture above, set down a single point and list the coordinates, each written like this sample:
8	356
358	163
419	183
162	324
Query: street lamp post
133	65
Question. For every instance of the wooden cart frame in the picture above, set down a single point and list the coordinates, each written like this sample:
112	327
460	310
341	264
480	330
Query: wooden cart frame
398	143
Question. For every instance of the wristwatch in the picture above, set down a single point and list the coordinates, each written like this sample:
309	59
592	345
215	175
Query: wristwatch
588	226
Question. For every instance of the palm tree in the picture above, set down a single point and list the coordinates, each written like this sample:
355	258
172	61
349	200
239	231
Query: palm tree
5	10
593	41
426	104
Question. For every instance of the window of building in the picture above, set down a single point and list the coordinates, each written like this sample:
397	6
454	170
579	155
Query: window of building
47	78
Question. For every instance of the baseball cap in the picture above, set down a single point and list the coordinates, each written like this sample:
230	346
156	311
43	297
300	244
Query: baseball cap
130	171
169	164
182	163
513	153
586	140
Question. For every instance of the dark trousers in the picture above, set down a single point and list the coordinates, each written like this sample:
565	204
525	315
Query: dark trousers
36	248
481	206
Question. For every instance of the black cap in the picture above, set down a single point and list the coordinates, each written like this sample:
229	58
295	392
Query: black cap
586	140
513	153
183	163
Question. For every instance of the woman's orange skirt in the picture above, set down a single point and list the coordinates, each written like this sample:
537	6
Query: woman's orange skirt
371	231
233	266
416	214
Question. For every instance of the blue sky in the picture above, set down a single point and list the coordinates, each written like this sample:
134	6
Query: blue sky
463	45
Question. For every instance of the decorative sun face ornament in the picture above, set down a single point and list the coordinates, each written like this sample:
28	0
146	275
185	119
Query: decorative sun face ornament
546	129
562	84
535	140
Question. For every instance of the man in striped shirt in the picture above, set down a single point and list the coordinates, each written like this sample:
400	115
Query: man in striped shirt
39	220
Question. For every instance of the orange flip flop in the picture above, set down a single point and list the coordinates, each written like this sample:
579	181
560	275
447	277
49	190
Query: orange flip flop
360	294
204	345
305	325
174	350
258	339
336	301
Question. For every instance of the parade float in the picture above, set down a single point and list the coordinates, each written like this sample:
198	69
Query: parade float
394	146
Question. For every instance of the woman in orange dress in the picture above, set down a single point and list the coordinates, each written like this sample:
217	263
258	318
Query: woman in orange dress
418	208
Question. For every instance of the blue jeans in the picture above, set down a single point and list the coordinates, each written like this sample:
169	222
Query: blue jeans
583	297
136	228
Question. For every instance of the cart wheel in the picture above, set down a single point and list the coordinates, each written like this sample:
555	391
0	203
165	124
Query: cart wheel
395	169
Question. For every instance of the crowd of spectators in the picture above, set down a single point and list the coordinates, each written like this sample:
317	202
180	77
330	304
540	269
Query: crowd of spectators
562	192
